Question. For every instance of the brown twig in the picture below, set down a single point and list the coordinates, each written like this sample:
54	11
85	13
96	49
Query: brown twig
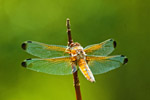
69	32
75	74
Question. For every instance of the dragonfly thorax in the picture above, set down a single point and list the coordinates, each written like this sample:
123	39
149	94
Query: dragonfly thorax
76	50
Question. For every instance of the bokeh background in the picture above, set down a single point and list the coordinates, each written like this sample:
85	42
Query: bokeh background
93	21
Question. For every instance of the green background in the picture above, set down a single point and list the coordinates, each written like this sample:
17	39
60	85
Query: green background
93	21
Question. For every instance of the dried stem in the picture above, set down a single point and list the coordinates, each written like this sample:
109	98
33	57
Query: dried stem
77	85
75	74
69	32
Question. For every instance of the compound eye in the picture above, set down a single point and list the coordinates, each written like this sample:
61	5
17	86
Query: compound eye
72	44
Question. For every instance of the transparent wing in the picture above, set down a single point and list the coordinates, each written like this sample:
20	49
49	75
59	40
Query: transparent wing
43	50
103	49
57	66
102	64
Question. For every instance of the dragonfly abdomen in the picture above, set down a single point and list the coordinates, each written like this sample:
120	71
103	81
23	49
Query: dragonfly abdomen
86	70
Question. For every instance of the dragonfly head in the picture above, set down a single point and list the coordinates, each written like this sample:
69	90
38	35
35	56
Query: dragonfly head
75	44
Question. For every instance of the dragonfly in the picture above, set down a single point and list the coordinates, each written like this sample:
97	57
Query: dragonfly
64	60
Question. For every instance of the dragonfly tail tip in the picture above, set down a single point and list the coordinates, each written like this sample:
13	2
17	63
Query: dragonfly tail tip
93	81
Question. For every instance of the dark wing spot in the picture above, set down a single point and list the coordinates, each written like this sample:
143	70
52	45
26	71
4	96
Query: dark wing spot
24	46
115	44
122	56
24	64
28	59
111	39
125	60
29	41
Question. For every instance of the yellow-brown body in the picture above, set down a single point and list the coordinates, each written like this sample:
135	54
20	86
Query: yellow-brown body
78	57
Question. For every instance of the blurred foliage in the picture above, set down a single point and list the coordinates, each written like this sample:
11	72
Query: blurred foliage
93	21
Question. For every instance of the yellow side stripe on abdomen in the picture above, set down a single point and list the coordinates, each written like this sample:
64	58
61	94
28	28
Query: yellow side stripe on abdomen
85	70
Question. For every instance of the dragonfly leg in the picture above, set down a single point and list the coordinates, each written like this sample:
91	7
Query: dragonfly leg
74	69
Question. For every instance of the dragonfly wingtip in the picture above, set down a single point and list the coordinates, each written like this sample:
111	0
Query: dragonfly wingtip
24	64
115	44
24	45
29	41
125	60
